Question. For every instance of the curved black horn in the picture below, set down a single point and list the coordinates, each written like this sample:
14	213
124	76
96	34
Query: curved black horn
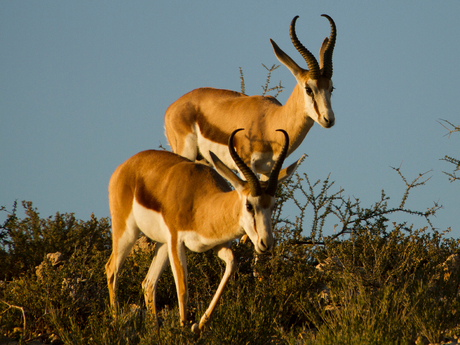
251	178
327	56
312	63
273	180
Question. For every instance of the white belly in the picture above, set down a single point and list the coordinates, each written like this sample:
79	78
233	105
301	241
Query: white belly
219	150
153	226
151	223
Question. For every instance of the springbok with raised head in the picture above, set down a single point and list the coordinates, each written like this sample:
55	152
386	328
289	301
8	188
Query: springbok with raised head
202	120
178	204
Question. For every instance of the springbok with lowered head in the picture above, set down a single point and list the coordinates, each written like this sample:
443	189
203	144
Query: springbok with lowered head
178	204
202	120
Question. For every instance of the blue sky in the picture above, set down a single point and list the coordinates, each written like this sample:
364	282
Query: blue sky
84	85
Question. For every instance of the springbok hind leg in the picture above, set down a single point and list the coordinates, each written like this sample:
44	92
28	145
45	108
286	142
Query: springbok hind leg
187	147
121	247
225	253
159	262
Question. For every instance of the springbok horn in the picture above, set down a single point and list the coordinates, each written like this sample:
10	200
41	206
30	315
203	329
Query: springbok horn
273	180
309	58
251	178
327	56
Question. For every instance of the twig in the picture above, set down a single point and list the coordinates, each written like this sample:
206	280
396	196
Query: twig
10	306
456	128
411	185
278	88
243	86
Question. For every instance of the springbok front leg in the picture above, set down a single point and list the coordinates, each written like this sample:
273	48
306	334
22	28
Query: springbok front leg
178	262
225	253
150	283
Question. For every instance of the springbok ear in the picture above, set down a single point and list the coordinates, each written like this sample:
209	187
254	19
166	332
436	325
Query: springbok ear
226	172
286	60
287	172
321	52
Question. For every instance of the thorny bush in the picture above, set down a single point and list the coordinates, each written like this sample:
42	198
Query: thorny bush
374	280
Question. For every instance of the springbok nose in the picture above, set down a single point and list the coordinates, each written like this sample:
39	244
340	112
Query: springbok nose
329	122
263	246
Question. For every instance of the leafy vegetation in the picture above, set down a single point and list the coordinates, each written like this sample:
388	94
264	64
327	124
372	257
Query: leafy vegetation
374	281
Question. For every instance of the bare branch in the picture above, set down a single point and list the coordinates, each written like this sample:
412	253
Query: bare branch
10	306
266	88
452	176
411	185
243	86
451	130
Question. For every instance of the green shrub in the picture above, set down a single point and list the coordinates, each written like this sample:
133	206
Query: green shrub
374	281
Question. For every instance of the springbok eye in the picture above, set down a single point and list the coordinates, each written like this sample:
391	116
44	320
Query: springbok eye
249	208
309	91
333	88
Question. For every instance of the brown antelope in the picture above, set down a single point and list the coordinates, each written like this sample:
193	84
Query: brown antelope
202	120
178	204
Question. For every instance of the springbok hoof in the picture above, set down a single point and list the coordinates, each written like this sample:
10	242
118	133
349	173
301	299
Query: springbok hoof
196	329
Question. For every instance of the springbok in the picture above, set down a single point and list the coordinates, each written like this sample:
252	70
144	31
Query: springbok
202	120
178	204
